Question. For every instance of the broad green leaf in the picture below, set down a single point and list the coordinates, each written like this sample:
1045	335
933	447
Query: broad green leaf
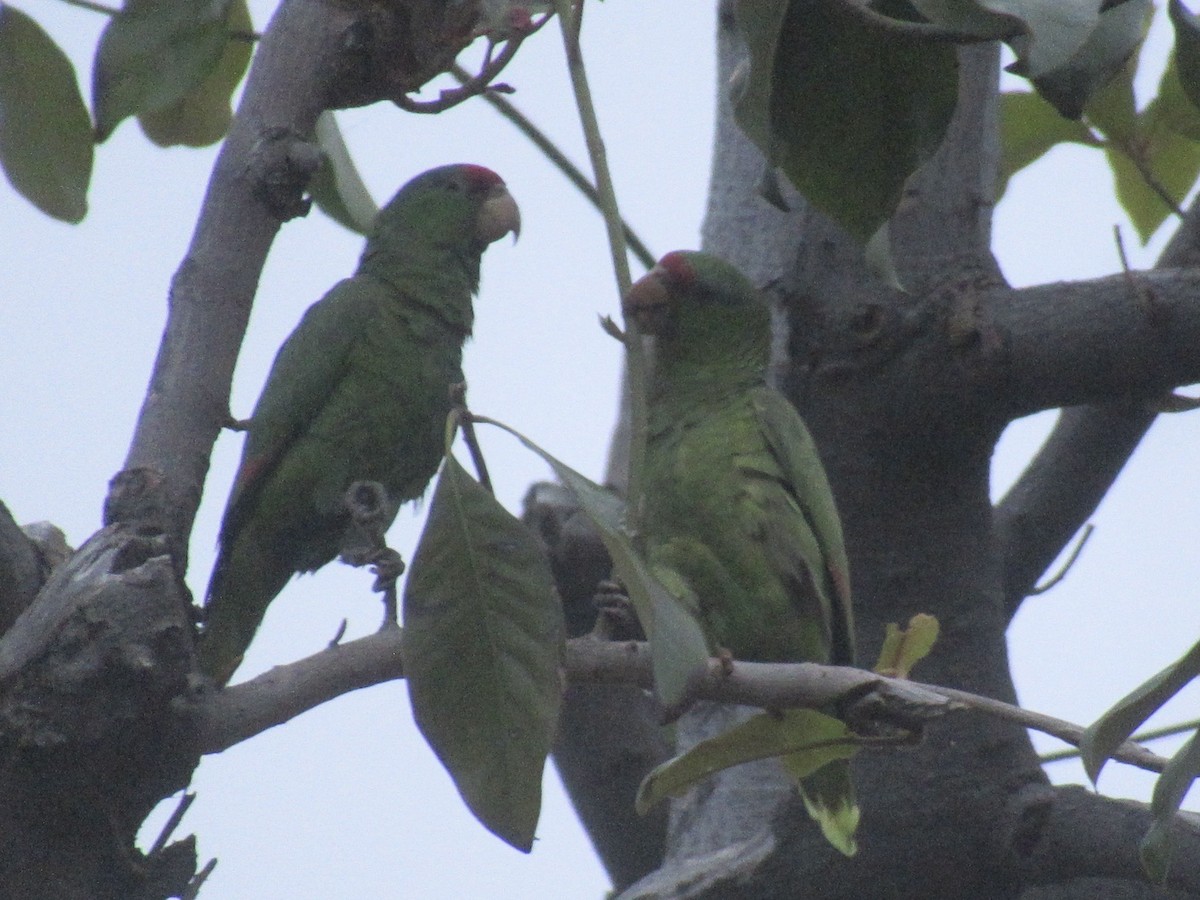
678	648
337	188
202	116
1172	107
1029	126
1170	789
1102	738
152	54
847	110
1117	34
803	739
1187	49
483	637
45	132
904	648
1165	156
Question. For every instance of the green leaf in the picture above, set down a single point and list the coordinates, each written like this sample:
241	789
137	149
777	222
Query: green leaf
904	648
1172	107
1165	156
1102	738
1170	789
45	132
1187	49
1029	126
1117	34
678	649
337	188
152	54
202	116
845	108
483	637
804	739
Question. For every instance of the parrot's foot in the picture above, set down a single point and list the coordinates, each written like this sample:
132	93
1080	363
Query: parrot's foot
388	566
616	619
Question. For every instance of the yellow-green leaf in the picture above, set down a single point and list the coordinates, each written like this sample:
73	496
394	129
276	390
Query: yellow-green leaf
202	116
1029	126
904	648
45	132
804	739
1102	738
1171	160
152	54
1187	49
483	636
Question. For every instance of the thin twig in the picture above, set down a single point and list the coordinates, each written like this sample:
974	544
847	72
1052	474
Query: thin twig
466	425
193	888
557	158
1142	737
492	66
172	823
94	7
635	361
1066	566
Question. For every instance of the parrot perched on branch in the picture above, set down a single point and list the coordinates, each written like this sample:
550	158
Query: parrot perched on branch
359	391
736	499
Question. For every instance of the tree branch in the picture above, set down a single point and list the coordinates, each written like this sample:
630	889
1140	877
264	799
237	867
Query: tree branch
1076	834
1098	341
234	714
1065	482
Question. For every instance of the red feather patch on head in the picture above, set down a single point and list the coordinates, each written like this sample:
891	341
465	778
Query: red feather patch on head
677	266
480	176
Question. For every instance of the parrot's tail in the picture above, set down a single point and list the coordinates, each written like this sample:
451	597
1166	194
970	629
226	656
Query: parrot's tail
828	795
244	582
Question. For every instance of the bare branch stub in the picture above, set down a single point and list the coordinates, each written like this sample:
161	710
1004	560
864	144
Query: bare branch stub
280	167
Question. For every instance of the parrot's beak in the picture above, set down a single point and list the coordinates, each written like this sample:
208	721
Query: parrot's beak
649	303
498	216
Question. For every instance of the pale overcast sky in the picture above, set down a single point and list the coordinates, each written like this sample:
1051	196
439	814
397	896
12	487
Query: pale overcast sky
347	801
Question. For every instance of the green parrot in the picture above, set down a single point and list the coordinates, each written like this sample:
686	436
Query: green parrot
359	391
737	503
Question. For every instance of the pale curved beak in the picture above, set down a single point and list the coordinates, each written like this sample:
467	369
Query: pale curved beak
649	303
498	216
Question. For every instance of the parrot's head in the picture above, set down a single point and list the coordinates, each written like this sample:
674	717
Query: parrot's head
451	205
700	306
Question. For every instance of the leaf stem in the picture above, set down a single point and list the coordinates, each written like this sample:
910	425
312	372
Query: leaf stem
557	158
1150	734
569	16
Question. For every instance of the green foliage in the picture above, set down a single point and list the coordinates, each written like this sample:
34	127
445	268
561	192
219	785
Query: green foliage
903	648
337	188
803	739
202	116
677	645
845	108
1170	789
153	54
482	642
45	133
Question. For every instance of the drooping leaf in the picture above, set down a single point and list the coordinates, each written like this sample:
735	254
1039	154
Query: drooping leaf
202	116
1163	155
803	739
45	132
845	108
1117	34
1102	738
1029	126
154	53
678	648
1170	789
903	648
1187	49
483	636
337	188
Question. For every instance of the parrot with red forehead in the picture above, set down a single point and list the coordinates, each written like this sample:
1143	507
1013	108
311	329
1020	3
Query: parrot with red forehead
737	502
359	391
